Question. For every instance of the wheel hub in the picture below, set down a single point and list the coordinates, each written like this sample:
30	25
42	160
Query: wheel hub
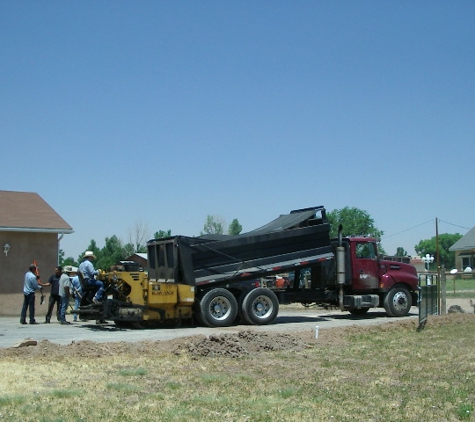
220	308
262	306
399	300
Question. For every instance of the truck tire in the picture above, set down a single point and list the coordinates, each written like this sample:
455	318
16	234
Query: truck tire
260	306
397	302
218	308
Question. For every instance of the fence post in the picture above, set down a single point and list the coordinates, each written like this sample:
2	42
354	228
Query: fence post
428	299
443	296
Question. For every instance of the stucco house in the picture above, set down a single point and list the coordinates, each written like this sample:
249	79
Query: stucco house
464	250
29	230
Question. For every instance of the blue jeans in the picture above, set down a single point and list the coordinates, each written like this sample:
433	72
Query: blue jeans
77	303
99	285
53	300
28	303
64	306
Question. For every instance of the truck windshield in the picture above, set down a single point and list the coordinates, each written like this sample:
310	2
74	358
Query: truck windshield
365	250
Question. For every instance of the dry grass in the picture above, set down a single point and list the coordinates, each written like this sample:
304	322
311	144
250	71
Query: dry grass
380	373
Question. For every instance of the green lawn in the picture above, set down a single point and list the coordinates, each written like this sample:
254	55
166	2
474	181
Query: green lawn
460	288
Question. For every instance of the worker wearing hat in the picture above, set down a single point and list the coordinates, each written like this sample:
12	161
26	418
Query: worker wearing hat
87	268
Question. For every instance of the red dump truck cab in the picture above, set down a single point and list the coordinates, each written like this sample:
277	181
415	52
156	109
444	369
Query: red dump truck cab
395	283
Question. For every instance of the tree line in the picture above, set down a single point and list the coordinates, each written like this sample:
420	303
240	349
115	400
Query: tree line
355	222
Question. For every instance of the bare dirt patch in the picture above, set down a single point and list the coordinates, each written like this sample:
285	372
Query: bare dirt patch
233	345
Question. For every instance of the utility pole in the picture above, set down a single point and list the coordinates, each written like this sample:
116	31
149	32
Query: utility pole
441	279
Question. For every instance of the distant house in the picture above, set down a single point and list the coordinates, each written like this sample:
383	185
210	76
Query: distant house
417	262
139	258
464	250
29	230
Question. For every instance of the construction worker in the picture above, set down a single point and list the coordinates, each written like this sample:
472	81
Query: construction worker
30	286
87	268
65	294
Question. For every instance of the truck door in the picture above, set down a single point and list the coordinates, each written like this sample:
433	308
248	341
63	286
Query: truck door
365	266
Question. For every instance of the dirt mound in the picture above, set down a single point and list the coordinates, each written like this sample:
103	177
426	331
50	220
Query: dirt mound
230	345
241	344
80	349
235	345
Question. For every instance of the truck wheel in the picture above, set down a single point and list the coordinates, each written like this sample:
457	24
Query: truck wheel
359	312
260	306
218	308
397	302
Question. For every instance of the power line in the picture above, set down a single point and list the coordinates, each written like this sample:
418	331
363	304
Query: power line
455	225
421	224
406	230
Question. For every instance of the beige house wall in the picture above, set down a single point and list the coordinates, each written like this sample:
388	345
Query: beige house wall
24	248
459	255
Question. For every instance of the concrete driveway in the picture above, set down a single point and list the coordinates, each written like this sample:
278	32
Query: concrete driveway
288	320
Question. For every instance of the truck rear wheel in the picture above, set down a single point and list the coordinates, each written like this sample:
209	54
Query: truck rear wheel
260	306
218	308
397	302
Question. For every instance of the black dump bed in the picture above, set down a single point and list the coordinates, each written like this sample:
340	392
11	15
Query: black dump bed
290	241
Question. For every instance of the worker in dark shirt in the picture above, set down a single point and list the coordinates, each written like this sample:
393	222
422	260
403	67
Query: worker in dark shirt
54	297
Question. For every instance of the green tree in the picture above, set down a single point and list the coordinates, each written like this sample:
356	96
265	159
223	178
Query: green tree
92	247
60	257
129	249
429	246
162	234
112	252
355	222
401	251
214	225
235	228
66	261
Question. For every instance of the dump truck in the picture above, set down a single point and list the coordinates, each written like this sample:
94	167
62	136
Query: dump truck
217	280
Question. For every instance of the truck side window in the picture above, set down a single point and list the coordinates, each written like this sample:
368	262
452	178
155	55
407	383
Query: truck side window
365	250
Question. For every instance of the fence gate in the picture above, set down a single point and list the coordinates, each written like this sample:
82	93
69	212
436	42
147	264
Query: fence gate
428	298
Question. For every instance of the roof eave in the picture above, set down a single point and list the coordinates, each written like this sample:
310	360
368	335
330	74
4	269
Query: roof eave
36	230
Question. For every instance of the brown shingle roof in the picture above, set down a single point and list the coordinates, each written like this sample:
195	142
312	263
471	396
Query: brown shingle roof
27	211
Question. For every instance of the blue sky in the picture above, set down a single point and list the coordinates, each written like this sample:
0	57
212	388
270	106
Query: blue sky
162	112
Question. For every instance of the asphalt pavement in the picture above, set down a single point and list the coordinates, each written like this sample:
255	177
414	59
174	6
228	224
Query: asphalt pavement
288	320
